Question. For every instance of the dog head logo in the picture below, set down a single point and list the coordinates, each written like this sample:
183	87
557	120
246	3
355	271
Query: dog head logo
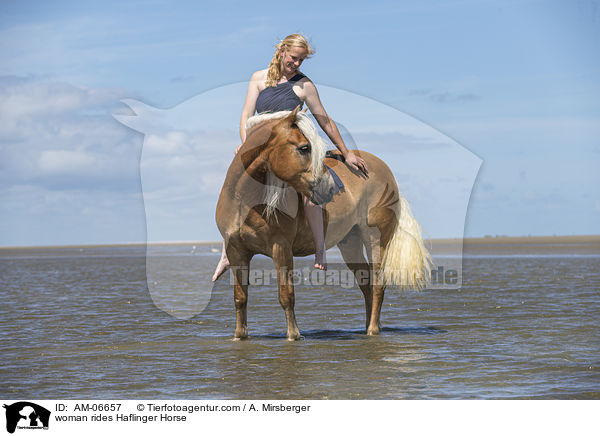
26	415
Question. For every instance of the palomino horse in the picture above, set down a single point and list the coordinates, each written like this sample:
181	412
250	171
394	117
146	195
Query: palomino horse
260	212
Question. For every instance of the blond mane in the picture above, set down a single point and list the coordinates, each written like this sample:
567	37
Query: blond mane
274	186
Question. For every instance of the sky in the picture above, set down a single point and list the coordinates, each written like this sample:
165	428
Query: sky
509	90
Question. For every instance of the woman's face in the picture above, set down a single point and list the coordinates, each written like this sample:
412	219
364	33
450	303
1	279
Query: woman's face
291	59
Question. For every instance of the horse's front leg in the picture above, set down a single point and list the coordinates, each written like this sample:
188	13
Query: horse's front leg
240	269
284	263
240	297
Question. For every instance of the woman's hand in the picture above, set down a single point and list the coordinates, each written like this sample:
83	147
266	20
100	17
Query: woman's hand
356	162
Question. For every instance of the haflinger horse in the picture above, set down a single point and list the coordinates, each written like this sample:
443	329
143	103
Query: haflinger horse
260	212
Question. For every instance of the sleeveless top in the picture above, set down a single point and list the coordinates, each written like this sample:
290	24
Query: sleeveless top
283	98
279	98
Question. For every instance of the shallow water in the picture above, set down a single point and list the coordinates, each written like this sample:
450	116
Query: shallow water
79	323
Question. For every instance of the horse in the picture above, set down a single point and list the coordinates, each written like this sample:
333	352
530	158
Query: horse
260	211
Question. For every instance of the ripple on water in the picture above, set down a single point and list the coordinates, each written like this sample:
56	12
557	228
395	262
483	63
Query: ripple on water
85	326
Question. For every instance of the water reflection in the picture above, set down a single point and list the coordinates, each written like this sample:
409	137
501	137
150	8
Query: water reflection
85	326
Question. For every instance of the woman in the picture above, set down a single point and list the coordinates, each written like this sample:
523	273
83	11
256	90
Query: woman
282	87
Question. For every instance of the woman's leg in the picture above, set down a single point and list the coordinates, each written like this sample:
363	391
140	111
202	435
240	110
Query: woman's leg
314	215
222	265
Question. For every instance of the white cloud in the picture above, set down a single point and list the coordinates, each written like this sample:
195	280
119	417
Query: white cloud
67	168
28	99
66	162
445	96
172	143
50	129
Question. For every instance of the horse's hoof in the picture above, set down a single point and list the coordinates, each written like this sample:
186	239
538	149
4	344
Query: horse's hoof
239	336
372	332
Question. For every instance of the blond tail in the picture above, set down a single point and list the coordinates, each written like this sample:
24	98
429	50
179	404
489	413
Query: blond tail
407	263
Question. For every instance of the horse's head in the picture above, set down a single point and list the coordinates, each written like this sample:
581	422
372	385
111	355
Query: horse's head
295	155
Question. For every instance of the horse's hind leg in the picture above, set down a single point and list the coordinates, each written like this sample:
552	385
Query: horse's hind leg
375	245
351	248
378	293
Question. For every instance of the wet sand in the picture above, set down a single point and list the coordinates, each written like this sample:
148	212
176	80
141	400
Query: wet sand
519	245
527	245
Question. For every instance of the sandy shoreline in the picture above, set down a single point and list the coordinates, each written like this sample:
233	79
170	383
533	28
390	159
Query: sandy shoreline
575	244
501	240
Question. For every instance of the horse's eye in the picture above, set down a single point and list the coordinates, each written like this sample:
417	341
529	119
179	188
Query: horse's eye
304	149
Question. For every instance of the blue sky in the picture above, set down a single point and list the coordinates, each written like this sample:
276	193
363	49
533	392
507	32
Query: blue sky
517	83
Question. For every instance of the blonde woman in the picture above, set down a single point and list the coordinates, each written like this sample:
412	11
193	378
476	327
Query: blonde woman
282	87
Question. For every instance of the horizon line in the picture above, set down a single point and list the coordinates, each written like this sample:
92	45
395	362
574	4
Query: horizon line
470	239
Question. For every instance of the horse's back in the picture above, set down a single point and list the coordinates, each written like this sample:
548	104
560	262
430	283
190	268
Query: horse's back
358	184
375	165
362	194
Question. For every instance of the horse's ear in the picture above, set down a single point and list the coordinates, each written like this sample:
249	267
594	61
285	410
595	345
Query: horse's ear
291	118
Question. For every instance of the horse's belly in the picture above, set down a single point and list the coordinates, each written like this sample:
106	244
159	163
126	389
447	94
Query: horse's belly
342	216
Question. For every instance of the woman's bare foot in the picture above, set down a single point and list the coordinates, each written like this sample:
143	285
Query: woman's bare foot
221	268
320	261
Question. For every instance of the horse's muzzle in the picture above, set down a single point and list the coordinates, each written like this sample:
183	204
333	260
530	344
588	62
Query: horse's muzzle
323	190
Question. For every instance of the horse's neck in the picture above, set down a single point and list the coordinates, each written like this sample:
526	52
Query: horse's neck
244	186
256	185
247	181
250	164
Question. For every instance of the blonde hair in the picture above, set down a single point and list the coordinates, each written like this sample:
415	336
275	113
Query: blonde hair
293	40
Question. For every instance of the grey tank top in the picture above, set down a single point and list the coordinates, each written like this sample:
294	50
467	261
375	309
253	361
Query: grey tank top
279	98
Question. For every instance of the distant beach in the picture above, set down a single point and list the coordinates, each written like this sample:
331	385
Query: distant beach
527	245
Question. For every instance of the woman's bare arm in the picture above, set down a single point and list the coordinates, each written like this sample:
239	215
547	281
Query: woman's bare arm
250	102
311	97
